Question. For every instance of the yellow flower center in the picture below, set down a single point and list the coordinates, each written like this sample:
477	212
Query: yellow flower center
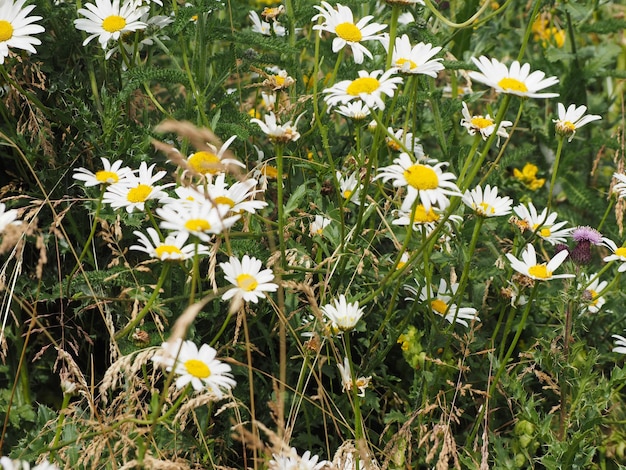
362	85
594	296
439	306
512	84
347	194
423	217
567	126
621	252
348	32
421	177
484	209
402	61
113	23
204	162
540	271
104	176
279	80
247	282
197	368
481	122
224	200
163	250
198	225
6	30
139	193
545	232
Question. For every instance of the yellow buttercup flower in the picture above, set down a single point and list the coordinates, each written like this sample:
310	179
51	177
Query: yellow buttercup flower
528	177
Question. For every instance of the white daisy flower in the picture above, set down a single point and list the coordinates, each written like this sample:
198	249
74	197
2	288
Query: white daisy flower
356	110
399	141
110	174
343	316
516	80
250	281
173	248
619	254
108	20
529	267
346	379
278	132
592	300
620	186
424	221
485	125
319	223
17	28
341	22
198	367
440	303
620	344
416	59
135	190
349	187
572	119
265	28
239	197
545	225
212	161
404	259
428	182
7	464
154	25
368	87
487	203
7	217
292	461
198	218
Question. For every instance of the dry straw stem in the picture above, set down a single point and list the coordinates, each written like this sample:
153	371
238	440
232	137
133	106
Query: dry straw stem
156	464
126	366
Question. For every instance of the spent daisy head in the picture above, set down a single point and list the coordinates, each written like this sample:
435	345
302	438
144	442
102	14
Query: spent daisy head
17	28
483	125
198	367
530	267
265	28
369	87
427	182
250	280
487	203
416	59
572	119
340	21
173	248
343	316
107	20
515	80
111	173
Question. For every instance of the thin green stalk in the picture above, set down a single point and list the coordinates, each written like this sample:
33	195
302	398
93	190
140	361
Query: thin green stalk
555	170
132	324
393	27
92	232
529	27
356	399
280	205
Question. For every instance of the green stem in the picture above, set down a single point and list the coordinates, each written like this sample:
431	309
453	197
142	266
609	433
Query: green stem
132	324
280	205
555	170
393	27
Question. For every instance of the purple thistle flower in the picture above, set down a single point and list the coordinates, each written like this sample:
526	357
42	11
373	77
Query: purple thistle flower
587	234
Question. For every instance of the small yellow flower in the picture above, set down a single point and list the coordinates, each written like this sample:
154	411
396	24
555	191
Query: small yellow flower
528	177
